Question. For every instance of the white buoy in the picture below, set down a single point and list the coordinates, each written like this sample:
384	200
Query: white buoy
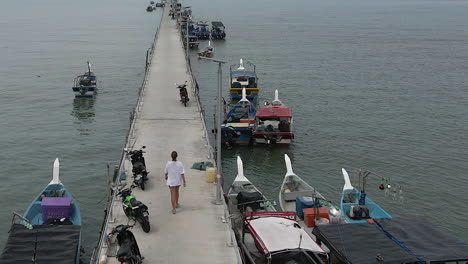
55	174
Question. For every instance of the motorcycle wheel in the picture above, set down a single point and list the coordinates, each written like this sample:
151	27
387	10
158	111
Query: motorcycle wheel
142	185
185	103
145	225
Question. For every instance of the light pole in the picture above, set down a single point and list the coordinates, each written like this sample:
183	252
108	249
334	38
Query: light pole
219	113
187	32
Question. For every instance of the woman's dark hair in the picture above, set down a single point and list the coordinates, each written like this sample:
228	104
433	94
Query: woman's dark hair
174	155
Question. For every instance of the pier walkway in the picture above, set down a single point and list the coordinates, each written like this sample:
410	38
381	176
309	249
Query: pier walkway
198	232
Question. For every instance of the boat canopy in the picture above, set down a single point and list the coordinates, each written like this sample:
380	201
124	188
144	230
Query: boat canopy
279	234
243	73
217	24
44	244
396	240
273	112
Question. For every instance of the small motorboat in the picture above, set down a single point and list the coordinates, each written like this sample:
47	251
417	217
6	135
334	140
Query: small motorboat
264	235
159	4
207	52
202	30
85	85
52	223
150	8
239	123
218	30
355	205
241	78
273	123
311	207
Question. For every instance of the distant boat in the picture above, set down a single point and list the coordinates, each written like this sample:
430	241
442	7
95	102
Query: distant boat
296	195
240	78
264	235
239	123
49	231
356	206
218	30
273	123
150	8
208	51
202	30
85	85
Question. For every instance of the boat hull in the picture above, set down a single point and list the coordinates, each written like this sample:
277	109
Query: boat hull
375	211
269	138
84	91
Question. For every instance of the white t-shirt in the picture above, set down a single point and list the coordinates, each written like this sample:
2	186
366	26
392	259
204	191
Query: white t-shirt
174	169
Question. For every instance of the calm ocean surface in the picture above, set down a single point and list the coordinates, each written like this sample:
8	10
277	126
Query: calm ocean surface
378	85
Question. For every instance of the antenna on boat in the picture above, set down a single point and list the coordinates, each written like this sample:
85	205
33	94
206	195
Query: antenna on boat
289	170
241	65
55	175
244	96
348	185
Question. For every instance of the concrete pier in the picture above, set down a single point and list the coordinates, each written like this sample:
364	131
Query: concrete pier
200	231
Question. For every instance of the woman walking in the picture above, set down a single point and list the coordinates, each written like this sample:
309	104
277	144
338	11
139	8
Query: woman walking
175	176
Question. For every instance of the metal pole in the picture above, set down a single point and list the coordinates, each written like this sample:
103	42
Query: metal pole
186	34
218	140
219	114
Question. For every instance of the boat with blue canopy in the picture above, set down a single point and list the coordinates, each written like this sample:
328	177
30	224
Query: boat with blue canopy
49	231
239	123
241	78
218	30
85	85
202	30
355	205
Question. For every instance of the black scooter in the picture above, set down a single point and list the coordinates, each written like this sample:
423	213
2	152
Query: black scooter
140	175
134	209
183	93
129	252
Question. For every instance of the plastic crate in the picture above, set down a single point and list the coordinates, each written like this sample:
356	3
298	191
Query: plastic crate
55	207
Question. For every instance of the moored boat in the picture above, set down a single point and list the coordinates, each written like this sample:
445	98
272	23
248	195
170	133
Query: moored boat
355	205
310	206
218	30
150	8
85	85
273	123
49	231
239	123
207	52
241	78
272	237
202	30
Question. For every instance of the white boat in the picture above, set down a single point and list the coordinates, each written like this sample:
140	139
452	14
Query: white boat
295	195
272	237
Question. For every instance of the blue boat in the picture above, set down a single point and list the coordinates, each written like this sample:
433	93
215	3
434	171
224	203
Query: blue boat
85	85
241	78
240	120
218	30
356	206
202	30
49	231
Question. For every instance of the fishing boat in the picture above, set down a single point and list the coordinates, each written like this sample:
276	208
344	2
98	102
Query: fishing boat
85	85
241	78
355	205
202	30
49	231
237	128
264	235
149	8
273	123
310	206
207	52
218	30
392	240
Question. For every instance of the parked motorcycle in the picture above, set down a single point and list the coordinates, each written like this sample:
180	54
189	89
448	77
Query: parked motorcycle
134	209
140	175
183	93
128	252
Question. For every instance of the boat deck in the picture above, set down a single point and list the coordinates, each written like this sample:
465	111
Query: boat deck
197	233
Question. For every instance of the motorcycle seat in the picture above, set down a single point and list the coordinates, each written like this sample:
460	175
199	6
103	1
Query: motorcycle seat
134	202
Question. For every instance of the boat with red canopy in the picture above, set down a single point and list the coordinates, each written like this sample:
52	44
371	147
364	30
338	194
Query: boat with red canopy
273	123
